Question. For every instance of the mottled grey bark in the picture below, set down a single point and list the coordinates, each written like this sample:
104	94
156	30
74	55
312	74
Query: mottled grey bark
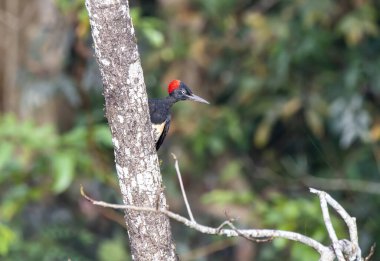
127	113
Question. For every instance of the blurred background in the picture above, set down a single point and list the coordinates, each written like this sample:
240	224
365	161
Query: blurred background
294	88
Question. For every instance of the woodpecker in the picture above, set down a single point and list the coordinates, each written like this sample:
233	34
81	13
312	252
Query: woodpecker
159	109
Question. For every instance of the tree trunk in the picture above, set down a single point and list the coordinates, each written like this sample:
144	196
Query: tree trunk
127	113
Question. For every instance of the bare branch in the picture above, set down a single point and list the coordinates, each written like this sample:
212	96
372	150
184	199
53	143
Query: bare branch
350	221
329	226
371	252
225	223
182	188
257	240
342	249
324	251
229	222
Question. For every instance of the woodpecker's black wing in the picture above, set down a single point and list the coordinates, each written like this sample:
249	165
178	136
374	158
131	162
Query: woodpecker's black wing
159	110
165	131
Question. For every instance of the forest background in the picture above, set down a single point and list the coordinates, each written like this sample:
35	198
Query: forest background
294	88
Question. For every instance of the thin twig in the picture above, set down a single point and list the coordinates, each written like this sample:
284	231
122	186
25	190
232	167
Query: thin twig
350	221
371	252
329	226
257	240
182	188
229	222
225	223
251	233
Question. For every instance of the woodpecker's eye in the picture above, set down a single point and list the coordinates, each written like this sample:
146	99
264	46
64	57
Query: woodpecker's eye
183	91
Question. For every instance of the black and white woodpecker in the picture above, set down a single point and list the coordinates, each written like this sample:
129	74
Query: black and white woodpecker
159	109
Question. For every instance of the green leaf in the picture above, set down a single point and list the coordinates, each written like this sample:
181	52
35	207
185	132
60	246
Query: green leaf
113	250
6	150
102	135
280	243
356	25
154	36
231	170
76	137
63	167
6	238
302	252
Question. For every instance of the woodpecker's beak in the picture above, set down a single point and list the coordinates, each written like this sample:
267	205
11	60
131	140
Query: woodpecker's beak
196	98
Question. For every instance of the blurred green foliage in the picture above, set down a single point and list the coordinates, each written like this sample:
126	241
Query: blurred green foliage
37	165
295	94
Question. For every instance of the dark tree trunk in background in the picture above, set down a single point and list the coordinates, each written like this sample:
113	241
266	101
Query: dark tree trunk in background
127	113
35	44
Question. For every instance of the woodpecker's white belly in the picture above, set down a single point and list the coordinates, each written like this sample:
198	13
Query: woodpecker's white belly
157	130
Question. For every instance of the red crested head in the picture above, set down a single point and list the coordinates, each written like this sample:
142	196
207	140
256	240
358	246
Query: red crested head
173	85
